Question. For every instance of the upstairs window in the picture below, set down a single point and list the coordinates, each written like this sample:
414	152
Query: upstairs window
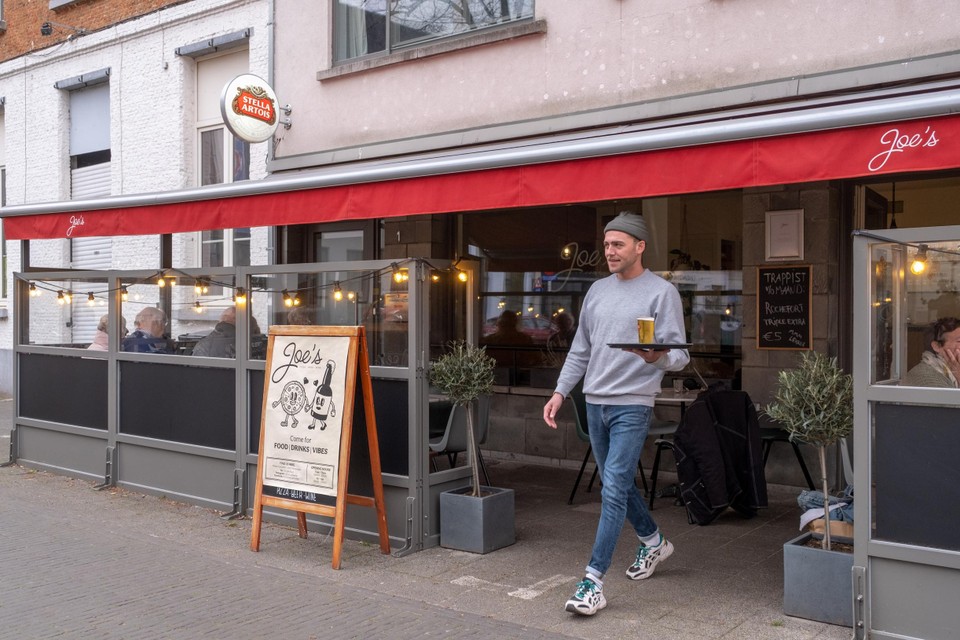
222	157
367	27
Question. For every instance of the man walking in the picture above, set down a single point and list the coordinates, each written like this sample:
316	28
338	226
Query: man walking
620	388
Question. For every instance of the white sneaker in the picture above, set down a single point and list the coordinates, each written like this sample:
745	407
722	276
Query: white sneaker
588	599
648	558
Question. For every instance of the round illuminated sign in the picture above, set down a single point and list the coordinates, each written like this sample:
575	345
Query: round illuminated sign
249	108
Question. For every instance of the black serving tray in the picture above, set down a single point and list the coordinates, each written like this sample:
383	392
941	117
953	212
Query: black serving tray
650	346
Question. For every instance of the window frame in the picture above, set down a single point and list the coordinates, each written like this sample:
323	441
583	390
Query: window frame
439	43
227	167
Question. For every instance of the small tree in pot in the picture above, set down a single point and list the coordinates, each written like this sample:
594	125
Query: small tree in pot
464	374
814	404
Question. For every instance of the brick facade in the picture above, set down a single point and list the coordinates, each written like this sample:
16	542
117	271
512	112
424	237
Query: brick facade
24	17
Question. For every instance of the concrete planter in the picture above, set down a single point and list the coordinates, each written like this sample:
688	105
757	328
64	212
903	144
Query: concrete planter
818	584
477	524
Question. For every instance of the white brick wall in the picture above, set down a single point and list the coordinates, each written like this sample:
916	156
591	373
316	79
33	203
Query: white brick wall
152	115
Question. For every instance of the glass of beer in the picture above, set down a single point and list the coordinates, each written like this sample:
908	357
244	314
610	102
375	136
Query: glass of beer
645	330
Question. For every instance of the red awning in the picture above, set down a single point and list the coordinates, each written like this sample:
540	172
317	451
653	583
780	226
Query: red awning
909	146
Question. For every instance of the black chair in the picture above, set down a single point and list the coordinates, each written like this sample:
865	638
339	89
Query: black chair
580	417
658	428
662	430
770	433
453	439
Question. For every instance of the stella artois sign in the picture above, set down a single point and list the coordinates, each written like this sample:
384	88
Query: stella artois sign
249	108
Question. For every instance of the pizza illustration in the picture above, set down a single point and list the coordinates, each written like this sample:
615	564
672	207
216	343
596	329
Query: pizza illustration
292	399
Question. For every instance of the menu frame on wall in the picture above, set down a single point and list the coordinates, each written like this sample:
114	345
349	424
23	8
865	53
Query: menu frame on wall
785	307
306	427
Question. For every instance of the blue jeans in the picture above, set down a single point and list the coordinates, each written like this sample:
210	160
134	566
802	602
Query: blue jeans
617	433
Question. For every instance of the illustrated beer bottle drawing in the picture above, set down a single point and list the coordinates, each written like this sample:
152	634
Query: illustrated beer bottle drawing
323	400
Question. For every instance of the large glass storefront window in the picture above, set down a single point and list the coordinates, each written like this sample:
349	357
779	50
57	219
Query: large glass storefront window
537	265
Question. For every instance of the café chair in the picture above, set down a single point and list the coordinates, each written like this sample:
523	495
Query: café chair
580	418
658	428
770	433
453	439
663	432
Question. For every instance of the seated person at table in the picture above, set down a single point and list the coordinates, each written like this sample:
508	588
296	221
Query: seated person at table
939	366
300	315
508	332
148	336
222	341
101	341
562	335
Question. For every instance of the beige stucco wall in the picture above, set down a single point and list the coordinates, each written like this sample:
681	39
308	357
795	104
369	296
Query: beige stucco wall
592	55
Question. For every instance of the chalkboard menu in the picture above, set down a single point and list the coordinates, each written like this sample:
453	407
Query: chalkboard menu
784	302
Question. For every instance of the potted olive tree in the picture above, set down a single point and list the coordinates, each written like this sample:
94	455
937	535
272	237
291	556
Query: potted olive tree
476	518
814	404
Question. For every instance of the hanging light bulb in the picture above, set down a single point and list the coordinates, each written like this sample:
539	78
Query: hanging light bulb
337	293
198	286
161	281
567	252
435	276
296	299
172	281
351	295
34	292
396	272
90	299
123	294
530	308
197	307
287	300
919	264
68	296
462	275
728	310
502	303
61	299
240	297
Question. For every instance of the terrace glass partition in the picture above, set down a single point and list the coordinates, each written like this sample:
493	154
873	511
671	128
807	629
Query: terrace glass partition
907	406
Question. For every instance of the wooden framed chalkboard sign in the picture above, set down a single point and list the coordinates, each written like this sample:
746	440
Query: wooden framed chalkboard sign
784	302
306	427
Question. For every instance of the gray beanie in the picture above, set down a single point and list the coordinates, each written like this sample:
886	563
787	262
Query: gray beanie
629	222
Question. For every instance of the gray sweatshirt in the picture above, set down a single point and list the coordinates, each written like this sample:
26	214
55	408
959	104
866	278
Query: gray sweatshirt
609	315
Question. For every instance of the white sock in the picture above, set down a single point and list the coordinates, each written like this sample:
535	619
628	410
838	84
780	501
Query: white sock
652	540
598	581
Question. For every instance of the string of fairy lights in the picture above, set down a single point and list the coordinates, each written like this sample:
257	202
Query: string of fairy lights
163	278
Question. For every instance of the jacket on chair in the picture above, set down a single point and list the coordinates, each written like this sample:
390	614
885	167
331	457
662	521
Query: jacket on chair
719	459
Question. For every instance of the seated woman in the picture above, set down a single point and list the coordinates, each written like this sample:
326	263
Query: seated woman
939	367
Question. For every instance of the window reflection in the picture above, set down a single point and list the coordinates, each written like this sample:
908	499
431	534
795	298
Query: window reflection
915	313
364	27
373	299
537	265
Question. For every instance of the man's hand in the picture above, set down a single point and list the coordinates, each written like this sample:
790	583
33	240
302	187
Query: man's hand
551	408
649	355
952	358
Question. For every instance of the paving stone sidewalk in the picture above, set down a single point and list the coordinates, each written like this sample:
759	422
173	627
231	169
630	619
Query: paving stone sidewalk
77	563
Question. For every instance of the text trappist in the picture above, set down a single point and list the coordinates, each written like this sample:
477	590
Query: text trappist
784	307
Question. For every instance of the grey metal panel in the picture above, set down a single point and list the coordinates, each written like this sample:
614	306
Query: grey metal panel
180	476
69	454
915	475
914	601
